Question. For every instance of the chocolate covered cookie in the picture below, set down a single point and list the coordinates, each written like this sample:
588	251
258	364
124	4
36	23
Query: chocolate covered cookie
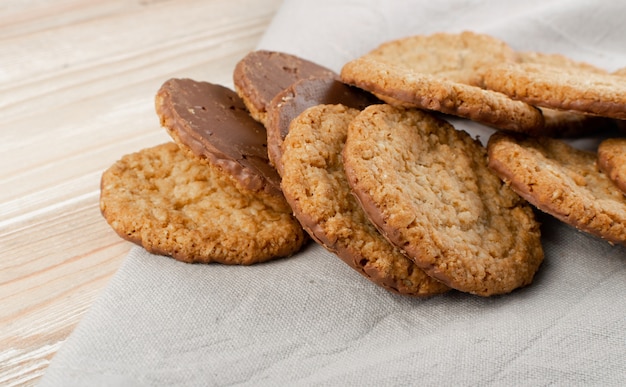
211	122
315	185
427	187
262	74
176	205
562	181
305	93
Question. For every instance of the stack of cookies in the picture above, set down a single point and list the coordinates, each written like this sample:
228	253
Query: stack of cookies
366	164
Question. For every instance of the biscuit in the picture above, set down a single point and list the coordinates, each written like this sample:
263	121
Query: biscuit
612	160
443	72
427	187
315	185
176	205
305	93
262	74
560	123
460	57
211	122
561	88
556	60
562	181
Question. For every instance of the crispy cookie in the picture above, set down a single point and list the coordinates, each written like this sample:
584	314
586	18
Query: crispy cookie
262	74
560	123
612	160
442	72
562	181
460	57
427	187
561	88
315	185
211	121
305	93
178	206
557	60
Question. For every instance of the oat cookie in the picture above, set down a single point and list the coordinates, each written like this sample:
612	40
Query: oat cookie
262	74
305	93
561	88
442	72
562	181
460	57
612	160
315	184
427	187
211	122
556	60
561	123
175	205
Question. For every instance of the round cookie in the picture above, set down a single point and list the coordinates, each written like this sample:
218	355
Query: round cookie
561	88
305	93
262	74
460	57
612	160
178	206
558	60
315	185
562	181
442	72
560	123
427	187
211	122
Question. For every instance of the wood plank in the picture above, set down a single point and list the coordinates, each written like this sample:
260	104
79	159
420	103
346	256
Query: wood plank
77	83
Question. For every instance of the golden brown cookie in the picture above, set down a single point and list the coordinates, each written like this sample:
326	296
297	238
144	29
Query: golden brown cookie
561	88
176	205
460	57
315	185
262	74
305	93
427	187
557	60
562	181
612	160
441	72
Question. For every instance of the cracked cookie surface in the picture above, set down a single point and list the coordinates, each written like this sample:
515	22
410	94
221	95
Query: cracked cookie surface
427	187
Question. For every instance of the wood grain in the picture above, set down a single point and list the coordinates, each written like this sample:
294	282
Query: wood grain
77	82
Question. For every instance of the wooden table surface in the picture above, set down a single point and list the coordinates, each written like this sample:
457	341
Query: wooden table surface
77	85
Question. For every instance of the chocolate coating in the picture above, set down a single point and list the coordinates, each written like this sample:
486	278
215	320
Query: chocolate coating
303	94
212	121
262	74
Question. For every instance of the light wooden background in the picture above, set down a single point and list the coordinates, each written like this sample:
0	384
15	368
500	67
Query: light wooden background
77	82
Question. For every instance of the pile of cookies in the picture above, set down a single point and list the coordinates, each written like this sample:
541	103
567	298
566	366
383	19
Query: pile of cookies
365	163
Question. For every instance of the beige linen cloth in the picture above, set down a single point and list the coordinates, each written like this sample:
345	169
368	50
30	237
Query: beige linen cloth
310	320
